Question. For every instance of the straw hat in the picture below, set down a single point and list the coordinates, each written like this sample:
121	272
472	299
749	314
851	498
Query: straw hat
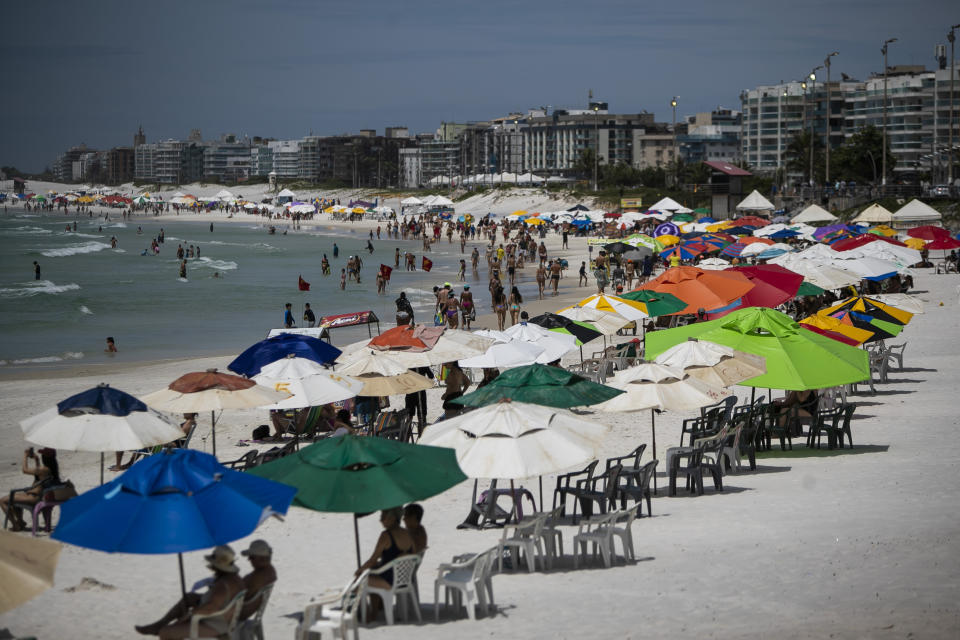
222	559
258	548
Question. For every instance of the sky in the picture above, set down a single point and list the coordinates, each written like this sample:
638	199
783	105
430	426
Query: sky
92	72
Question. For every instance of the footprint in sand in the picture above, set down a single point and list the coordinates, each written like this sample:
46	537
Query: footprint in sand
90	584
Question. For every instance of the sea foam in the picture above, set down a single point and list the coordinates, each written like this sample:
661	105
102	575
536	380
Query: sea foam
74	249
36	287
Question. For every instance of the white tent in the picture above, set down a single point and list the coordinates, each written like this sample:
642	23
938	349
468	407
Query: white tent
286	193
224	195
814	213
755	202
529	178
874	214
667	204
441	201
559	180
916	211
412	200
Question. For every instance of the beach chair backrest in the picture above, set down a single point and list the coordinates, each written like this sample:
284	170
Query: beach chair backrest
404	569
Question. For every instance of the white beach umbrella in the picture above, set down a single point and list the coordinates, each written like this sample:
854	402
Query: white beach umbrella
904	301
452	345
555	345
605	322
382	373
504	354
821	275
27	568
715	364
311	383
714	264
627	308
903	256
867	267
513	440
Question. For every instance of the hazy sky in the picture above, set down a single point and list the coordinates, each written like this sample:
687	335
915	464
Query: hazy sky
93	71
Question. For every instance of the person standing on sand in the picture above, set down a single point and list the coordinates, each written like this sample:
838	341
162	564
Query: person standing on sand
309	319
555	269
466	306
36	270
288	322
452	310
475	258
343	279
583	275
325	266
462	273
514	301
541	280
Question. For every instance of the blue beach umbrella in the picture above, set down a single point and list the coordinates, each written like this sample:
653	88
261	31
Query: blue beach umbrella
666	229
172	502
280	346
784	233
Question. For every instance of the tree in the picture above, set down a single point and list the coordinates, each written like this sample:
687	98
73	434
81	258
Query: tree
860	159
798	156
583	167
653	177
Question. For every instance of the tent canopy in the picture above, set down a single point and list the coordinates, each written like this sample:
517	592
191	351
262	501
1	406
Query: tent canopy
814	213
666	204
874	214
916	210
755	202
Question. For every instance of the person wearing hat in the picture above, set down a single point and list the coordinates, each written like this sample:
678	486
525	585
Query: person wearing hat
46	474
263	575
224	588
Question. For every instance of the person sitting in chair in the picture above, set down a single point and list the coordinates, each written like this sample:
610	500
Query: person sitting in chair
260	555
395	541
46	474
224	588
412	516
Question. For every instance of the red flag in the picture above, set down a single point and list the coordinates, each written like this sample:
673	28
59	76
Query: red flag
426	264
303	284
385	271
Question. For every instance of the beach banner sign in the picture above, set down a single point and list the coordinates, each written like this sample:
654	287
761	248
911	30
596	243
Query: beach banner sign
631	203
348	319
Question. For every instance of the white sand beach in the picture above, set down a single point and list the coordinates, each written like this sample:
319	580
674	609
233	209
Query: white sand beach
859	543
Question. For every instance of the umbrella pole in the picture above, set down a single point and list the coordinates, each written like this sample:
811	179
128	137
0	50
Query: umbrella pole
513	511
653	436
213	431
541	493
101	467
356	538
183	581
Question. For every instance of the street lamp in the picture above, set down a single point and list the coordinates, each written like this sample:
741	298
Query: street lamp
781	94
813	92
596	152
676	161
953	74
883	178
826	63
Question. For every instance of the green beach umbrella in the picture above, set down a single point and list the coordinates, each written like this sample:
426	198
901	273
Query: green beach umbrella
358	475
540	384
682	217
796	359
702	210
808	289
657	303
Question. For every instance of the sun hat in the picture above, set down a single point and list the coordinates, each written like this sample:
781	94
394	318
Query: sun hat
222	559
258	548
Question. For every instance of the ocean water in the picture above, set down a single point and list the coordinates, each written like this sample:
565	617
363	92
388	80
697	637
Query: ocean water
89	291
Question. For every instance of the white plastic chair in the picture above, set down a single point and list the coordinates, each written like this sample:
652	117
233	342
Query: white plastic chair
335	622
526	538
465	581
598	531
625	533
230	612
552	536
252	627
404	584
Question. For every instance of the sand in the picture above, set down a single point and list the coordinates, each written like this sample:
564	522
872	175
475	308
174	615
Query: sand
846	544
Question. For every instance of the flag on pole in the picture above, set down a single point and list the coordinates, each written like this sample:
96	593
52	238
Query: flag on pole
426	264
303	284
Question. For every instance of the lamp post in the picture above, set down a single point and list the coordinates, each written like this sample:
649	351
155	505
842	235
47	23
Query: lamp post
596	150
953	75
883	175
781	94
676	161
813	126
826	63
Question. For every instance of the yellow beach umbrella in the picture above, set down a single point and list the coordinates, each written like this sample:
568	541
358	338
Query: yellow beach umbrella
358	210
829	323
519	212
916	243
883	230
612	304
534	221
668	240
720	226
84	199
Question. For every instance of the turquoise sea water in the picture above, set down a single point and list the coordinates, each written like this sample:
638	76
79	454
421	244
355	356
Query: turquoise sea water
89	291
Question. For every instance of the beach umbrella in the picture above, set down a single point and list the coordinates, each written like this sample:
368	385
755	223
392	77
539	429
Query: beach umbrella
617	247
883	230
582	331
666	229
774	250
808	289
867	267
715	364
944	243
541	385
902	256
254	358
734	250
751	221
740	231
359	475
212	391
713	264
715	241
700	289
422	346
667	240
99	419
506	352
796	360
881	329
684	252
383	374
654	303
640	240
176	501
659	388
628	308
902	301
772	286
834	327
915	243
928	232
822	275
27	567
637	253
513	440
554	345
310	383
855	242
605	322
872	307
783	234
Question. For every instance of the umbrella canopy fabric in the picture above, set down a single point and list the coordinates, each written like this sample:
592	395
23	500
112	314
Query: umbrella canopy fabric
796	360
541	385
630	309
421	346
902	301
946	243
27	567
505	353
828	325
99	419
212	391
655	386
252	360
654	303
700	289
605	322
881	329
617	247
864	238
172	502
715	364
555	345
872	307
772	285
583	332
684	252
808	289
822	275
510	440
713	264
310	383
357	474
928	232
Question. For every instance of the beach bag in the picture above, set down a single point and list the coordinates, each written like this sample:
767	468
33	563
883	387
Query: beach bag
261	433
64	492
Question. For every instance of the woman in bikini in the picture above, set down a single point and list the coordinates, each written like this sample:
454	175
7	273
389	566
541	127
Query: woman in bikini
395	541
466	306
453	310
46	474
500	307
515	300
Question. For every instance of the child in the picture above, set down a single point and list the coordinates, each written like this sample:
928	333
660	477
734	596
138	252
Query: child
111	346
343	279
